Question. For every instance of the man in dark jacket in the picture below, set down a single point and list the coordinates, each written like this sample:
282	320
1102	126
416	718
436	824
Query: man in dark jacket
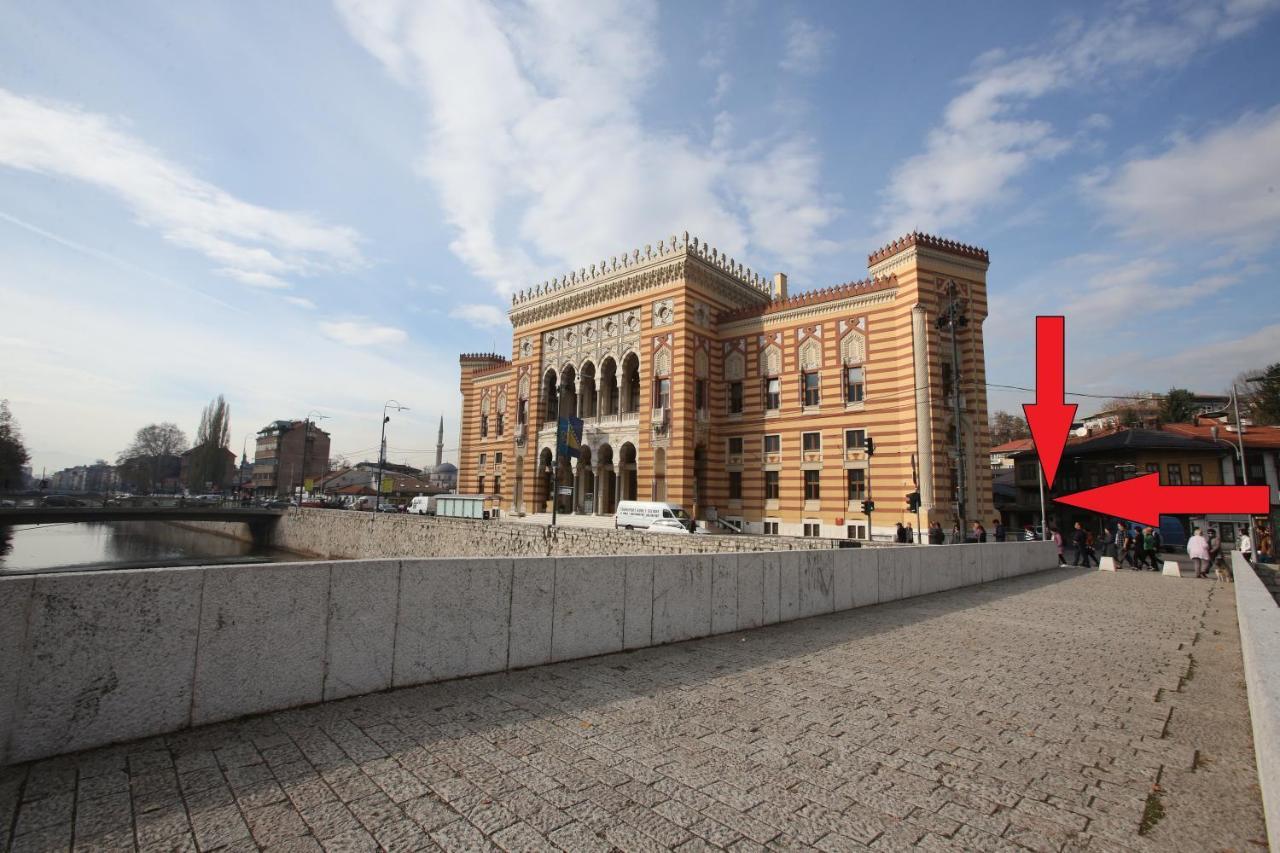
1081	540
1000	531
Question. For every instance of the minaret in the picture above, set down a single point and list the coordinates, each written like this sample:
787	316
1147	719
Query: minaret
440	444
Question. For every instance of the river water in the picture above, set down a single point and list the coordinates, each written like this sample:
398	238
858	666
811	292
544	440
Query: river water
104	545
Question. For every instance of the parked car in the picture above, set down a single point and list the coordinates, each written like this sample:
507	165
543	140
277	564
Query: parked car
668	525
7	504
388	508
278	503
61	500
643	515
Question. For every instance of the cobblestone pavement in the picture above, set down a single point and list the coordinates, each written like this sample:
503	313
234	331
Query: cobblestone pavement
1049	712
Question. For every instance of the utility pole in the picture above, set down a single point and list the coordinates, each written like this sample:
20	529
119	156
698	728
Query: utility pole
382	448
953	318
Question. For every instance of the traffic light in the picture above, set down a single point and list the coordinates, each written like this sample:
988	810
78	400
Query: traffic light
913	502
869	445
868	507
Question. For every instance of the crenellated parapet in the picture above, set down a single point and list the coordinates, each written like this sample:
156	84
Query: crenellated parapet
917	238
651	263
813	297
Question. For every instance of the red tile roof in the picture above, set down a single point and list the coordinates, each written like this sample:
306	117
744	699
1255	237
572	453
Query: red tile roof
1258	437
1014	446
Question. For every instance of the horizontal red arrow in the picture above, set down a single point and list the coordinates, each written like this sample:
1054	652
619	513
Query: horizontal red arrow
1144	500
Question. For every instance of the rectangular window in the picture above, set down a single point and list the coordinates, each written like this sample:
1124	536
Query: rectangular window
479	485
772	394
662	394
484	426
854	391
497	458
522	412
771	485
735	398
501	422
700	394
1195	474
856	531
1153	468
812	442
812	491
735	445
773	443
855	439
812	529
482	458
771	528
948	380
497	485
812	395
857	484
735	485
1175	473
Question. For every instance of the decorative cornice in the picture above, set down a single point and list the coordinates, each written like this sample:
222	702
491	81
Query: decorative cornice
634	272
916	238
811	297
752	322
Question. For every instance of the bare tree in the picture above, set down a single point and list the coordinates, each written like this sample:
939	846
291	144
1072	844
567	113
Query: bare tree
1006	427
208	460
152	453
1134	410
13	453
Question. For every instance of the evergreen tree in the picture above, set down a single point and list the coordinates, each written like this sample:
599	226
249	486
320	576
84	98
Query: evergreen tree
1178	406
208	460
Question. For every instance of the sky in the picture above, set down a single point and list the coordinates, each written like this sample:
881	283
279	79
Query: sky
315	208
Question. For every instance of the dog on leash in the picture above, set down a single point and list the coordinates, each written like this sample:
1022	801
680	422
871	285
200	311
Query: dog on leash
1223	573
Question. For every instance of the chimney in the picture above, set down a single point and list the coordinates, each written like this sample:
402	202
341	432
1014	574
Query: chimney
780	285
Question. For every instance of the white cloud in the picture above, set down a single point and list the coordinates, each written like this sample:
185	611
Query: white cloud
1213	365
1223	187
985	142
806	47
301	302
535	140
479	315
1110	296
259	246
359	333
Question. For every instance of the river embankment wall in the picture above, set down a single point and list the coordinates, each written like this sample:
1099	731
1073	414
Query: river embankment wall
343	534
92	658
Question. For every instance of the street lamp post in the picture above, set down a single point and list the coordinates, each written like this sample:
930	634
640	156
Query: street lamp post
382	448
953	318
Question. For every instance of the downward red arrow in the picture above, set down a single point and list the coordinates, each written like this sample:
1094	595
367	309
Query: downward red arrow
1050	417
1144	500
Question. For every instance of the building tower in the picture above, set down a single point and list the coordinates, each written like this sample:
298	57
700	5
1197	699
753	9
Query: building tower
440	443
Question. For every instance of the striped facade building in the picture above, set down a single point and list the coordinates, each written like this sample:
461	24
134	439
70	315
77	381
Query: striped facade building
706	385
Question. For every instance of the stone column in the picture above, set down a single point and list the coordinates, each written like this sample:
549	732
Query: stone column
924	423
598	491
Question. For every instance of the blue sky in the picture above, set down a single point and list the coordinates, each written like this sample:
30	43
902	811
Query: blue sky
317	209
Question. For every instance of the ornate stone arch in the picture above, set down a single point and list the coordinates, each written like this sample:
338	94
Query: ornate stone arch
810	355
701	365
735	366
771	360
502	400
486	403
522	390
853	347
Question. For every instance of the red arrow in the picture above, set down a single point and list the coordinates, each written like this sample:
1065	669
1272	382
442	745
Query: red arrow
1049	417
1144	500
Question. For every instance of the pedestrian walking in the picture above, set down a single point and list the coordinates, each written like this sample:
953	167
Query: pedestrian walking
1057	540
956	536
1266	545
1150	544
1246	545
1116	542
911	534
998	525
900	534
1198	551
979	532
936	535
1081	541
1127	549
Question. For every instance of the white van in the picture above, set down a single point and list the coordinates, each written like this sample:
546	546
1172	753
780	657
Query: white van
423	505
654	516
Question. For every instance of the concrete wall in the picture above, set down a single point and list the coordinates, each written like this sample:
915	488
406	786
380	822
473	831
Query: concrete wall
95	657
334	534
1260	644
